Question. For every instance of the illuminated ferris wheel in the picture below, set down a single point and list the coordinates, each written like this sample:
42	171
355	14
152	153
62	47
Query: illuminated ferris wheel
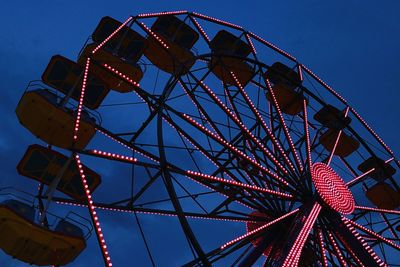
233	129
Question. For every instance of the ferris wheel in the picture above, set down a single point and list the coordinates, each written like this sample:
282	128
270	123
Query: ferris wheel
233	129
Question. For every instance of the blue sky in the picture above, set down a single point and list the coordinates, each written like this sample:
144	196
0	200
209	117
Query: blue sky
352	45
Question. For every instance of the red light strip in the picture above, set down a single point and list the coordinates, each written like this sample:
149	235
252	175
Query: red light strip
285	129
334	147
378	210
149	15
246	186
217	20
126	78
337	140
323	252
360	177
242	126
293	257
130	148
150	32
232	148
308	146
383	239
359	262
239	202
78	115
251	43
259	117
277	49
196	147
337	250
227	244
200	29
372	132
211	160
120	74
348	224
199	150
153	213
111	35
201	113
300	72
112	156
93	214
365	173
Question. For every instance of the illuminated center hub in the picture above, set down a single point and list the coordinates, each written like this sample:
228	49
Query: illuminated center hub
332	188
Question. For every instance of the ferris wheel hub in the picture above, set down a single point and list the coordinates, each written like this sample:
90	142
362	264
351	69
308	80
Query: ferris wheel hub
332	189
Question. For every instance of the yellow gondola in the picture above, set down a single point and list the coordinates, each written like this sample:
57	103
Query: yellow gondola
289	101
284	82
382	170
39	112
129	68
228	53
43	164
331	117
335	120
27	241
179	37
64	75
345	146
384	196
126	44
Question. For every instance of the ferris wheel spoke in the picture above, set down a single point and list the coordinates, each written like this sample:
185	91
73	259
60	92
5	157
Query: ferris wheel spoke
364	175
348	234
233	149
261	120
242	200
302	227
337	139
373	234
132	160
93	215
363	208
196	103
307	135
192	174
253	233
352	253
128	145
336	249
252	138
200	29
212	159
324	260
238	122
159	212
240	241
285	128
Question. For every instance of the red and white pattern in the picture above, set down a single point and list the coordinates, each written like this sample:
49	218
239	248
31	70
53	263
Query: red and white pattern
332	188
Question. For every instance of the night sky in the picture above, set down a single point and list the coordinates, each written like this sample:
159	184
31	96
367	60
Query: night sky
352	45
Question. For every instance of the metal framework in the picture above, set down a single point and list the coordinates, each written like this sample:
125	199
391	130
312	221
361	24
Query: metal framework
229	152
